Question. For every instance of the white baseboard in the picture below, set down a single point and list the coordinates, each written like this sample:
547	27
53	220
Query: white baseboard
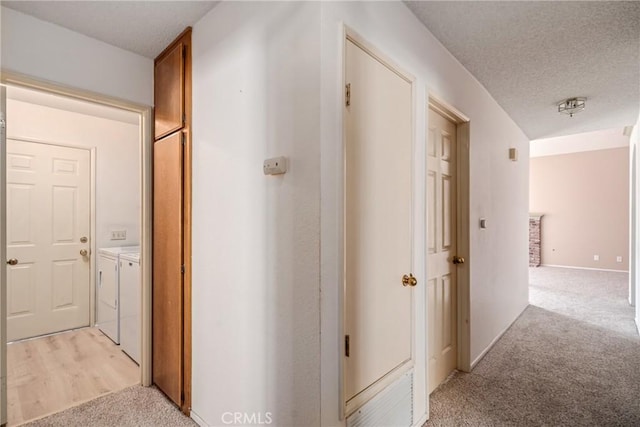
195	417
495	340
422	420
583	268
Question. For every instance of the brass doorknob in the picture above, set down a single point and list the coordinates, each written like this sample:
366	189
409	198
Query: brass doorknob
409	280
458	260
12	261
83	252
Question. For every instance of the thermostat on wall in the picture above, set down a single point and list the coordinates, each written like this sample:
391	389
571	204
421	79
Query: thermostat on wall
275	166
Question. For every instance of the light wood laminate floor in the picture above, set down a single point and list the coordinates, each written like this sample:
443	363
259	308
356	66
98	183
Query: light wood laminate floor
48	374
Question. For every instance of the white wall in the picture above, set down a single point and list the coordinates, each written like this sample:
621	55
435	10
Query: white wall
267	81
576	192
52	53
117	161
499	187
256	337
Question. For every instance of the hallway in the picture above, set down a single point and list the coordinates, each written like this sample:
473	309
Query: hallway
570	359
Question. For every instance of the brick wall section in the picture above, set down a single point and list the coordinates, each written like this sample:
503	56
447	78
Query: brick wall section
535	248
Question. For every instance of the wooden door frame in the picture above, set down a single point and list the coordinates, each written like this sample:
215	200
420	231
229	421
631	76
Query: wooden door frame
92	215
348	34
146	141
463	273
186	223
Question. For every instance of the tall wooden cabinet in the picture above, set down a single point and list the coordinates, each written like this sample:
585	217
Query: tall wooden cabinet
169	89
172	222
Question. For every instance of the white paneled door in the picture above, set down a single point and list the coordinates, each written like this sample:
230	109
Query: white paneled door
48	224
378	239
441	248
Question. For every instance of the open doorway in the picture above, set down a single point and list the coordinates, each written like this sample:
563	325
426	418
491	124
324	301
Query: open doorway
579	228
76	235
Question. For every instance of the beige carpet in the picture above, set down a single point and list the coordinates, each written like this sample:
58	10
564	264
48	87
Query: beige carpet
549	369
599	298
135	406
571	360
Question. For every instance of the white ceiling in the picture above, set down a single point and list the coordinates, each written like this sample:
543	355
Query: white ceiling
580	142
530	55
143	27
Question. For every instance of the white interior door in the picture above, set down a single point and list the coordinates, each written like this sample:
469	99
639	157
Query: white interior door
441	248
48	208
3	253
378	243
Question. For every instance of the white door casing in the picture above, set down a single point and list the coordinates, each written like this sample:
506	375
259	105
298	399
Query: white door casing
48	215
378	230
442	292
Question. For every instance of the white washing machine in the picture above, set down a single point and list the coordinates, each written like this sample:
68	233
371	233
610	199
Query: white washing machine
108	290
130	305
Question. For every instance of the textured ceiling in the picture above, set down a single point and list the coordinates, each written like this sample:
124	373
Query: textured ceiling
531	55
143	27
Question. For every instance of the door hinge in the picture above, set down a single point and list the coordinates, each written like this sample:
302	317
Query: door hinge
182	138
182	269
347	94
184	119
346	345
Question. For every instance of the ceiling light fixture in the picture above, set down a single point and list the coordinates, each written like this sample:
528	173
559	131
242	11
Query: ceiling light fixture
571	106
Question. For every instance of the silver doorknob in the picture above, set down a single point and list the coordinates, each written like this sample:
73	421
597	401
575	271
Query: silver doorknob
83	252
12	261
